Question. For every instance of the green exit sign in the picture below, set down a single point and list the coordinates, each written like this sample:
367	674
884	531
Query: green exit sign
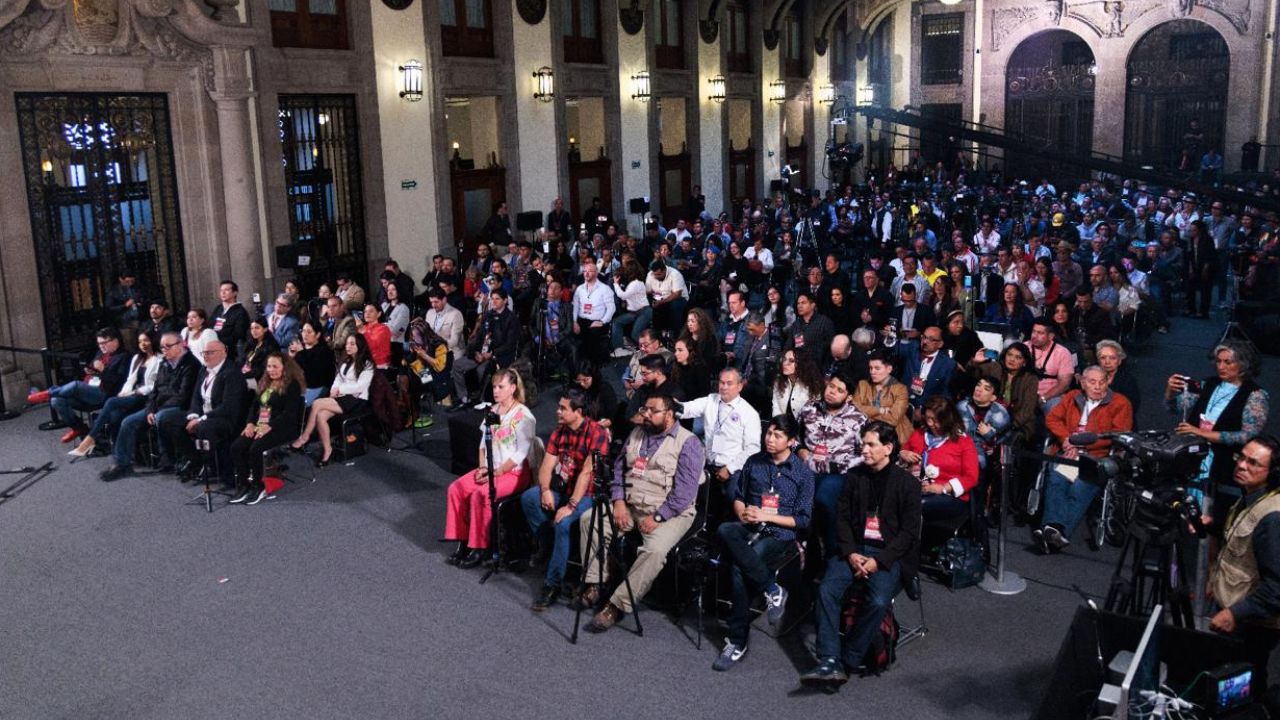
408	184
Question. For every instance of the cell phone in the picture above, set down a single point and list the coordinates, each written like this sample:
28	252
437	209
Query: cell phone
358	315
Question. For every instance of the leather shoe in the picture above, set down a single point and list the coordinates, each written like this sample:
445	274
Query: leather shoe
546	598
589	598
605	619
458	554
115	472
828	673
473	559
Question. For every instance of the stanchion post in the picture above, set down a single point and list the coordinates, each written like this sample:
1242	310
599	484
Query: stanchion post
1004	582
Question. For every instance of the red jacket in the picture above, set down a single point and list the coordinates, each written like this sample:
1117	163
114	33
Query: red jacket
1115	414
956	459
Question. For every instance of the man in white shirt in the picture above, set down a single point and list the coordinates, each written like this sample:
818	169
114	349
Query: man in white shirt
668	295
731	425
759	252
593	307
447	322
987	240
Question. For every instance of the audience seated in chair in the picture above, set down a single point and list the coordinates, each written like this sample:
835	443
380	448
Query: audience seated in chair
349	395
213	416
272	421
103	377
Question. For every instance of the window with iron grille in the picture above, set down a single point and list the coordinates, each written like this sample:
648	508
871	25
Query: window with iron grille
582	32
466	28
738	57
878	58
320	151
941	49
320	24
793	64
668	41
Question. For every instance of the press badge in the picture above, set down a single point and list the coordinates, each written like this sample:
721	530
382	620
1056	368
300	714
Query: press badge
217	324
819	455
729	337
1206	424
586	308
639	465
871	532
95	381
917	386
799	341
769	503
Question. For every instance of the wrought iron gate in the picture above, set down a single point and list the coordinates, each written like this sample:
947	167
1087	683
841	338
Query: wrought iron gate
102	196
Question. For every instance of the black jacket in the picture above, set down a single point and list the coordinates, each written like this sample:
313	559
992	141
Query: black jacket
114	373
166	325
285	407
924	318
235	326
879	304
899	512
173	384
228	397
504	327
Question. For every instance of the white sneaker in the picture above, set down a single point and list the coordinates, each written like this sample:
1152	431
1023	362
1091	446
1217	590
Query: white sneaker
775	606
621	352
730	656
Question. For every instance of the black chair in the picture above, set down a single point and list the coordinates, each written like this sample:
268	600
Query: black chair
274	459
692	556
915	594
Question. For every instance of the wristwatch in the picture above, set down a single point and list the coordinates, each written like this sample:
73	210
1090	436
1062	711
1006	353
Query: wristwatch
657	517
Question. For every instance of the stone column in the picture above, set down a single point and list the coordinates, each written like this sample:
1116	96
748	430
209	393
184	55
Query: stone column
232	94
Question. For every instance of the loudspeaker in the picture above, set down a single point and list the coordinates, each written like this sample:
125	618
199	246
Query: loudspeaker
286	257
776	186
529	221
638	206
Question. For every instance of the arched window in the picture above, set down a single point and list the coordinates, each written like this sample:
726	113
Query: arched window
1049	86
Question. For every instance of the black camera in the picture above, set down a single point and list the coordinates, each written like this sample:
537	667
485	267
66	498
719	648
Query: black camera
1154	468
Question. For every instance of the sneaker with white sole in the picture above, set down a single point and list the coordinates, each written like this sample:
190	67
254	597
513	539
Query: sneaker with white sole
262	495
730	656
775	606
622	352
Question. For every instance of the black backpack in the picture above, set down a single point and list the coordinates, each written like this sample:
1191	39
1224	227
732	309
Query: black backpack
883	650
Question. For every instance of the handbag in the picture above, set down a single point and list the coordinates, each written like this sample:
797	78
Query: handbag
961	561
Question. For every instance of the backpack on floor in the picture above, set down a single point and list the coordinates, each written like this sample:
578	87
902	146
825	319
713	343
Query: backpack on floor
883	650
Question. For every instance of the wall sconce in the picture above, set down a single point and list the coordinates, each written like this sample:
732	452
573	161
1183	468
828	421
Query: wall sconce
717	89
640	86
866	96
544	89
949	2
411	81
778	91
827	94
456	145
1093	68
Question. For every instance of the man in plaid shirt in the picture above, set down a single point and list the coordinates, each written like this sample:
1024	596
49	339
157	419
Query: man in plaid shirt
563	492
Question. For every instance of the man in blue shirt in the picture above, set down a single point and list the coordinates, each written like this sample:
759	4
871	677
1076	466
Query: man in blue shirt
772	500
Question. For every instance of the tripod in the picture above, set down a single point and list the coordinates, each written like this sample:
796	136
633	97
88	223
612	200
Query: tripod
596	548
1234	330
1149	553
495	525
209	458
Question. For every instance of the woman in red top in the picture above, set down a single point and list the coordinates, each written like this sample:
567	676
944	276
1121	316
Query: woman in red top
943	444
377	335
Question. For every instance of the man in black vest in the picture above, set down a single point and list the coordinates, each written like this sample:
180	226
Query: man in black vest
878	526
214	414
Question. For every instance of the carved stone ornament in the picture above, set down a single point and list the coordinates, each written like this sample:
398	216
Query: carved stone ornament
398	4
631	19
709	30
820	45
1109	18
771	38
532	11
172	30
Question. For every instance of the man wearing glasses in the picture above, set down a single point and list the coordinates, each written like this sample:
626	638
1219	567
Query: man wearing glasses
167	402
1245	580
662	467
103	378
214	413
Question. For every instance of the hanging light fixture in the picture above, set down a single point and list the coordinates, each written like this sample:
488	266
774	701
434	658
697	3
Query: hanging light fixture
640	86
411	81
717	89
544	89
778	91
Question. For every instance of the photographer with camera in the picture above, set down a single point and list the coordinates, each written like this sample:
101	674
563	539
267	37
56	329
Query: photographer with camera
655	483
772	501
563	492
1227	410
1069	489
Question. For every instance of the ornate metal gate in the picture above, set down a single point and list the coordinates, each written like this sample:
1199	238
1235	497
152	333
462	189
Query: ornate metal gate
1049	87
101	190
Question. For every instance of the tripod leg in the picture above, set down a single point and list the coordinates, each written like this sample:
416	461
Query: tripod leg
592	545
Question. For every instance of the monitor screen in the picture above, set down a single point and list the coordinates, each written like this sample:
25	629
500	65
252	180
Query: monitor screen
1143	677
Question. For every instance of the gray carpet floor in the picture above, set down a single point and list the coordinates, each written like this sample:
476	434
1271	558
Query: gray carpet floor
332	600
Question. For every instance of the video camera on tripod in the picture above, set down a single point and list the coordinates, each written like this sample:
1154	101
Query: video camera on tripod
1154	467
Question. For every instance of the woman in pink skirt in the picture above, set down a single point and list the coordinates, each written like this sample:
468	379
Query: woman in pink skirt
469	513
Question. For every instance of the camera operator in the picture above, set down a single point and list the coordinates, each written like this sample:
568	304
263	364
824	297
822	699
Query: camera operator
878	524
1245	579
1227	410
661	466
563	492
1068	491
772	500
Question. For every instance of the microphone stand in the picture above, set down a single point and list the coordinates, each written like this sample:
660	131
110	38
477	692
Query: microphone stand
1003	582
495	549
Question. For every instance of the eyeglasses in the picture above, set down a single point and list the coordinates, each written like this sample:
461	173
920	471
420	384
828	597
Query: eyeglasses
646	410
1252	462
163	346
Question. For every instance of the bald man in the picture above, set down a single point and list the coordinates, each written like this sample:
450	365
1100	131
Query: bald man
215	413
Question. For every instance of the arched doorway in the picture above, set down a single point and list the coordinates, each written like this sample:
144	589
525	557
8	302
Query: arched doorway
1177	76
1048	99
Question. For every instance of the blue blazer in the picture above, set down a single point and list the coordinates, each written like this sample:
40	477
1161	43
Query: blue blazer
287	331
939	382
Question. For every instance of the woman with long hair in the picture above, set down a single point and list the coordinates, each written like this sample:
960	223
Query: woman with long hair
143	368
945	300
602	401
396	314
377	335
690	371
777	312
1061	314
882	396
272	419
628	286
1129	300
1018	386
430	365
196	335
468	511
315	357
1012	311
945	460
348	394
841	312
702	331
1052	283
959	340
260	344
797	380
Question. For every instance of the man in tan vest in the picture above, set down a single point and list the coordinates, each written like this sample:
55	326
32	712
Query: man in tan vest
1245	581
661	465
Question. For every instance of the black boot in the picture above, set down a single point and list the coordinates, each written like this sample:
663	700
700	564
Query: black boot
473	559
458	554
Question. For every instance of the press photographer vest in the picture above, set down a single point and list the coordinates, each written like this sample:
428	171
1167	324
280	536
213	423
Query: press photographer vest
650	488
1237	572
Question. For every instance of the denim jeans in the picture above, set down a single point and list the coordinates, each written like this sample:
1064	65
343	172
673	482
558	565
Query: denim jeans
826	493
531	501
623	323
880	588
72	397
1066	502
114	411
751	569
127	436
